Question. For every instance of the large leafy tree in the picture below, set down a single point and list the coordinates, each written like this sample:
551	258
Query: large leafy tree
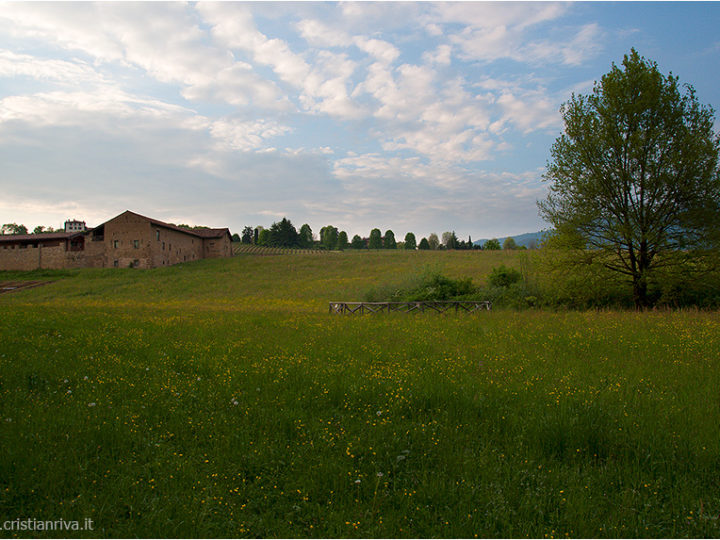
306	236
283	234
342	242
247	235
357	242
634	178
375	241
389	241
14	228
329	237
410	241
491	245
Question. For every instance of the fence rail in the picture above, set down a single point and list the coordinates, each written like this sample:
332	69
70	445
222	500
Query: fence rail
360	308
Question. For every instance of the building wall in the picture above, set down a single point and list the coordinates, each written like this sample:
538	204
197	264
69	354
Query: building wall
15	257
172	247
51	254
217	247
129	240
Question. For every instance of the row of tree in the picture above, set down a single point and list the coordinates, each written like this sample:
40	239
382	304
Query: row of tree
283	234
14	228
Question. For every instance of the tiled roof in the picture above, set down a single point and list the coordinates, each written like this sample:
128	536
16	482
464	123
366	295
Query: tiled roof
202	233
38	237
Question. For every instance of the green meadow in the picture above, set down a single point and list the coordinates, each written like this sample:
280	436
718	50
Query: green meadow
221	399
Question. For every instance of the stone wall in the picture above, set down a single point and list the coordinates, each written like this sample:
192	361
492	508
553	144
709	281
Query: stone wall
128	240
49	255
217	247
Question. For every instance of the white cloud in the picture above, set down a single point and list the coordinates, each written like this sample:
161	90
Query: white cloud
245	135
164	40
266	104
319	34
381	50
62	71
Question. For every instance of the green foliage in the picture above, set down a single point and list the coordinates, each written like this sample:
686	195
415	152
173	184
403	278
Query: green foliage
502	276
329	237
13	228
220	399
263	237
429	284
433	241
635	176
389	240
247	235
283	234
424	244
509	243
410	242
492	244
450	240
342	240
357	242
375	241
305	239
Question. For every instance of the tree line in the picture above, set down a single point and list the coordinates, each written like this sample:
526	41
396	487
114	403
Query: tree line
284	234
14	228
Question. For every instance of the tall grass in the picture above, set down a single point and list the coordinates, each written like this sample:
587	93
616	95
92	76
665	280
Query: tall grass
220	399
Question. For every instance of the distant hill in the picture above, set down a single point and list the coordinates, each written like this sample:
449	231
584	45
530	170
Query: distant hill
529	240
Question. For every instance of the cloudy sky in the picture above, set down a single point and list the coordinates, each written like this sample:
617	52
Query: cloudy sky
408	116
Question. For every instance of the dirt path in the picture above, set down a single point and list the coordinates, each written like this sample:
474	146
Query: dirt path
10	286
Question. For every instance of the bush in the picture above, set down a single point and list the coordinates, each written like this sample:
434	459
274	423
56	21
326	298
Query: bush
429	285
504	276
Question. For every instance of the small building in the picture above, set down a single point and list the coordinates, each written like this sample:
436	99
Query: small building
72	225
127	240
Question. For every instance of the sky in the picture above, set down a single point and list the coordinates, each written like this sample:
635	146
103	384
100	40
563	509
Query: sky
410	116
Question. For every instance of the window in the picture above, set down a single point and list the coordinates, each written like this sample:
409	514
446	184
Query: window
116	243
136	263
116	263
136	244
163	246
157	234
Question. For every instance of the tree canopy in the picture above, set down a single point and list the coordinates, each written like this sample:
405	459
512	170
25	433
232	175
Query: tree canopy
342	242
375	241
491	244
634	178
306	236
14	228
247	235
283	234
389	240
509	243
329	237
357	242
410	241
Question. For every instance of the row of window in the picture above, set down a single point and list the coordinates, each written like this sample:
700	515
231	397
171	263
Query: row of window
136	244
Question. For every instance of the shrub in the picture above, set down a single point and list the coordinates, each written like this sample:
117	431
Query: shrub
504	276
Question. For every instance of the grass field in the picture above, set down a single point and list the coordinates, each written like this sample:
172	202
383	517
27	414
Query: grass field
220	398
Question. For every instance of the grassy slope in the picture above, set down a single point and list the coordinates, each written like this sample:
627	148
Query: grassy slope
220	399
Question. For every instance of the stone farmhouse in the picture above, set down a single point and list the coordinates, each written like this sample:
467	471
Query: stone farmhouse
127	240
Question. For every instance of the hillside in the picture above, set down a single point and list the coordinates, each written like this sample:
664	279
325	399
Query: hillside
529	240
219	398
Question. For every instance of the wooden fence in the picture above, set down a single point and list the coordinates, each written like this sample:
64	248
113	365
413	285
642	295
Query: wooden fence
360	308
